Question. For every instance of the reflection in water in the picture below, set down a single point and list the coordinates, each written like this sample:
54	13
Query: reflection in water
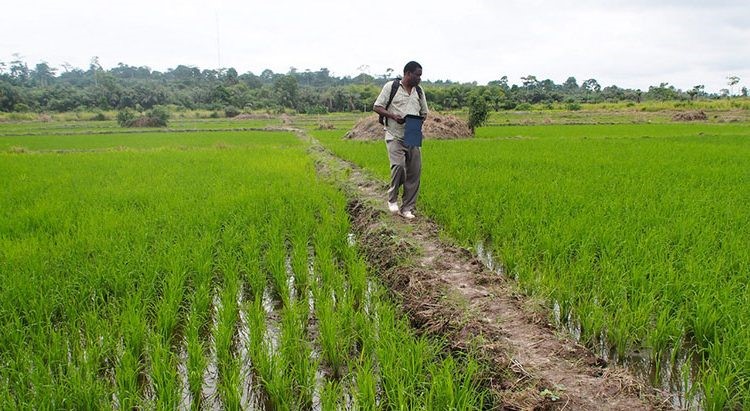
674	375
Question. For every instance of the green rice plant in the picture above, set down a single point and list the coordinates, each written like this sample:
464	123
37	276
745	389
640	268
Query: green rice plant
329	240
198	320
77	377
225	337
265	364
134	328
300	262
275	261
255	278
716	386
366	392
163	372
356	269
297	353
127	374
330	396
258	348
131	366
402	359
667	333
332	335
169	307
454	386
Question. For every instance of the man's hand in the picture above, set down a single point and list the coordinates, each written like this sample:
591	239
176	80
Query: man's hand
383	112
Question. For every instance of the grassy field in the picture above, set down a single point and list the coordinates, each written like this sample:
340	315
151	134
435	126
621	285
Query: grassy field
185	270
635	235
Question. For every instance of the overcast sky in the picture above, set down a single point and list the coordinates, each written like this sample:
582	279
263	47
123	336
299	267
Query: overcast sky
629	43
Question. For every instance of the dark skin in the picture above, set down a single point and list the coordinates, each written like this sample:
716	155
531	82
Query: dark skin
410	80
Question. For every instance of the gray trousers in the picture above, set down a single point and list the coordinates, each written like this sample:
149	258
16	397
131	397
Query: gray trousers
406	169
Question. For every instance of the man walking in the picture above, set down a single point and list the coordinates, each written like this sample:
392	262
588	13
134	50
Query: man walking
398	99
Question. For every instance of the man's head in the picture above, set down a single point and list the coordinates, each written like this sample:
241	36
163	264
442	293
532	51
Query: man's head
412	73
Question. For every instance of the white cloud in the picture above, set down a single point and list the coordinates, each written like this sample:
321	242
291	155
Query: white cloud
635	43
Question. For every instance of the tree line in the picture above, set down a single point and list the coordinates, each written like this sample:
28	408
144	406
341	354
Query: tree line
49	89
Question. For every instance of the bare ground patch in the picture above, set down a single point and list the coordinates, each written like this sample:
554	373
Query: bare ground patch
448	292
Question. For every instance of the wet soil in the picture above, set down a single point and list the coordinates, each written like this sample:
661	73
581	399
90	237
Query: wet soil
448	292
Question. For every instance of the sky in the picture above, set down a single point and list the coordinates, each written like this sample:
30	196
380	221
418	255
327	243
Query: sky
629	43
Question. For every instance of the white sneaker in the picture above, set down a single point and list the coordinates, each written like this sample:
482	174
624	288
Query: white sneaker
393	207
407	214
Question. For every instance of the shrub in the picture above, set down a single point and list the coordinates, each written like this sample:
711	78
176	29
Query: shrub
231	111
156	117
478	112
125	117
99	117
573	106
318	109
21	107
523	107
508	105
159	115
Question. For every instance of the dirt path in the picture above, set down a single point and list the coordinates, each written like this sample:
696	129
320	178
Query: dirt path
447	291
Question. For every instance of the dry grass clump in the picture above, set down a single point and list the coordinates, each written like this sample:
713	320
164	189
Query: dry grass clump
690	116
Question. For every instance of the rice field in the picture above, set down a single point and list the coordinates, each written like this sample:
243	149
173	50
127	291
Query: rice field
636	236
197	270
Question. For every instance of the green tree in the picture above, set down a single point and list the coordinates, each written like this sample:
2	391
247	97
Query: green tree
43	74
96	69
287	90
9	96
478	112
19	71
591	86
570	85
663	92
696	91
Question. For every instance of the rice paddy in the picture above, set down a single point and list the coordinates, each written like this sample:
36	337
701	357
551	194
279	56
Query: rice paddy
207	267
635	236
197	270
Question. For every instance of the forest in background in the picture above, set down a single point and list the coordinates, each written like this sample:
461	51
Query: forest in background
48	89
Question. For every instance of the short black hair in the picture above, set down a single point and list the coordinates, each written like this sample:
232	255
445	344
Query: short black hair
411	67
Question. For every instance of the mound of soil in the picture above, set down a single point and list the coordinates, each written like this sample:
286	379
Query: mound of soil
437	126
690	116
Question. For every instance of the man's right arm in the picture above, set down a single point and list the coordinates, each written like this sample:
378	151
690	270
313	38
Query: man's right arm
387	114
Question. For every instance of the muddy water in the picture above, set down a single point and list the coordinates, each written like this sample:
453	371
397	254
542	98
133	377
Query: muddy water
676	378
250	398
186	401
209	392
252	395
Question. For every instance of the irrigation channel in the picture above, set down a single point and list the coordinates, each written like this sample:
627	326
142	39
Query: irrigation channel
449	292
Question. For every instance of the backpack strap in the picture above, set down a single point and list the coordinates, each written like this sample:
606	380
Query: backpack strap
421	96
394	89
